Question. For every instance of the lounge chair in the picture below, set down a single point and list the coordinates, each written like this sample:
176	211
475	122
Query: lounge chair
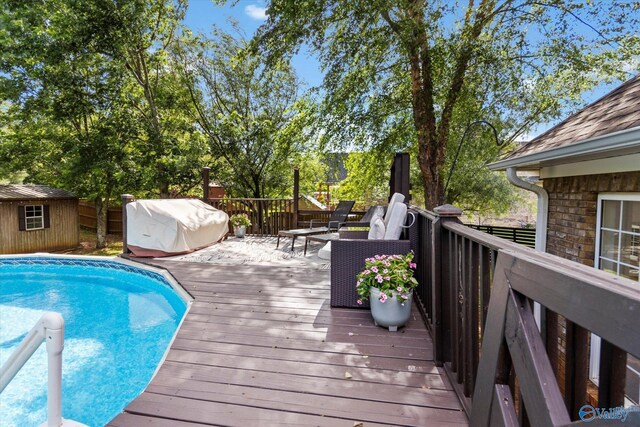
363	222
338	216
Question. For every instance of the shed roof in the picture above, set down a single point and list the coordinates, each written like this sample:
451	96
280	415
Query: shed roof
33	192
618	111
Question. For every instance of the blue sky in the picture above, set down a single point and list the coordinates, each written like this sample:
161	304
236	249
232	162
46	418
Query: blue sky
250	14
202	14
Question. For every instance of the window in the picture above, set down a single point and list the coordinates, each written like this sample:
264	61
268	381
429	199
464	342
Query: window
618	252
33	217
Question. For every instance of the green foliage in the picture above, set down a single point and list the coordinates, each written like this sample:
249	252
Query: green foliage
93	104
250	114
238	220
408	74
367	178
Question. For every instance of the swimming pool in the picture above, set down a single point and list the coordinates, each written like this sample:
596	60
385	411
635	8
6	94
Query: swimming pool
119	321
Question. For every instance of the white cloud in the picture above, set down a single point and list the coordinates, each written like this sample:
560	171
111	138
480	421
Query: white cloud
256	12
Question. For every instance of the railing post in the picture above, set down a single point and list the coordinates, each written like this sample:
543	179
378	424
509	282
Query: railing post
126	199
440	273
205	183
296	195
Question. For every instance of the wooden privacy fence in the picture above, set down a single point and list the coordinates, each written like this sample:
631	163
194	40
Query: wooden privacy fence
87	217
476	293
522	236
268	216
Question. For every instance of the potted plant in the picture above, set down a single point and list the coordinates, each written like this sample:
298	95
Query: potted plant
388	281
240	222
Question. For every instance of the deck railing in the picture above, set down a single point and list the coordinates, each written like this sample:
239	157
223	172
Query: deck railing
268	216
476	293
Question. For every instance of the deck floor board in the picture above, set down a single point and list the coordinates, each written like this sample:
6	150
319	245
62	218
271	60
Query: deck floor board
260	346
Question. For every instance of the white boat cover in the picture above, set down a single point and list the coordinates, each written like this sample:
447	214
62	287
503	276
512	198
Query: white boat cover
173	226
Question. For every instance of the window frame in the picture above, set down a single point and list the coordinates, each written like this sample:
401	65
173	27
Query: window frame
27	217
594	357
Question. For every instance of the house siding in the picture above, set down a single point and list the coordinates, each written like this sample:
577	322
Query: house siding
571	234
573	204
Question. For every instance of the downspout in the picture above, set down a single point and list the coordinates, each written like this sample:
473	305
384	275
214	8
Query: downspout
541	225
543	206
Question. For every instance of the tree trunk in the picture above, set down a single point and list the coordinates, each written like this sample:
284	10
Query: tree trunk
102	209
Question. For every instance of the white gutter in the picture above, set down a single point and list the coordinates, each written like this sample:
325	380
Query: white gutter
626	141
543	206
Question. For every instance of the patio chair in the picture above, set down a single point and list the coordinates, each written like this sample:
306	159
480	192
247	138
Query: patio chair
338	216
363	222
348	257
345	233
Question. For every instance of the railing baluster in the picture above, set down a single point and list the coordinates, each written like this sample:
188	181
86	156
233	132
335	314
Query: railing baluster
485	277
468	322
460	252
551	340
475	313
613	365
453	301
576	368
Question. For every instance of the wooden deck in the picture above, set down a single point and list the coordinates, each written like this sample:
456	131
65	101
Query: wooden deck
260	346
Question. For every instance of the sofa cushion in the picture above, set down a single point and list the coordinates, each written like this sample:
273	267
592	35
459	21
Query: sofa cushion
376	228
396	221
396	198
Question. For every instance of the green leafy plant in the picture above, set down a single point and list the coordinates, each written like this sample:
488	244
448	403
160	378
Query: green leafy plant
239	220
391	274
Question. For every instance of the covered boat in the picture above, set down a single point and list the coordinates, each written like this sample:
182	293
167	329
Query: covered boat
173	226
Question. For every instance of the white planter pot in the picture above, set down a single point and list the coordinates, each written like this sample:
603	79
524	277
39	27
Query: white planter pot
239	231
392	313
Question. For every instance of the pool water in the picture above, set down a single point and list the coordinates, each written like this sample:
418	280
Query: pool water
119	321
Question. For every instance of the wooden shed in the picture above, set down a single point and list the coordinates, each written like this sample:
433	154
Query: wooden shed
37	218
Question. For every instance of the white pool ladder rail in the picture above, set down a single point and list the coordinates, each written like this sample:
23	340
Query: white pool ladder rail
49	328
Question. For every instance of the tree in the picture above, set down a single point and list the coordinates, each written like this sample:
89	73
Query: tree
367	178
389	63
80	117
67	119
249	113
140	35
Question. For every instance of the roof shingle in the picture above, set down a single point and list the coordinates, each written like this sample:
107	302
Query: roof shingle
616	111
32	192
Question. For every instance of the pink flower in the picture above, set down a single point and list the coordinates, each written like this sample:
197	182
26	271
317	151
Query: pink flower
366	272
374	269
378	257
412	265
387	263
379	278
385	271
359	302
383	297
399	289
387	278
404	296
